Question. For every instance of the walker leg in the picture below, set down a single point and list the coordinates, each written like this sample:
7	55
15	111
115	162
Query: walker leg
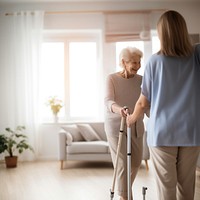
144	192
129	163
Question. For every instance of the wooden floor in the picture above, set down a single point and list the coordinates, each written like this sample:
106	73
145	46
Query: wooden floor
79	181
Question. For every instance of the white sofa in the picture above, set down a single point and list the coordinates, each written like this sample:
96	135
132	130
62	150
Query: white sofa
88	142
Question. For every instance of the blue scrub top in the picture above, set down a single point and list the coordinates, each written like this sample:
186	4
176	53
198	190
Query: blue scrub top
172	86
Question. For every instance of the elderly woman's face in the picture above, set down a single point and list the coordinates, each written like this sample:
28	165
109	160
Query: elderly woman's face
133	65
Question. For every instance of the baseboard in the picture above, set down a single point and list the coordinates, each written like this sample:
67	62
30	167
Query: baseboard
45	158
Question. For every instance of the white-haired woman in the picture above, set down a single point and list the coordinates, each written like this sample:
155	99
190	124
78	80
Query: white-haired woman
123	89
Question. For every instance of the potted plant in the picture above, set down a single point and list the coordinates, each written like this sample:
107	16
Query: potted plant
11	141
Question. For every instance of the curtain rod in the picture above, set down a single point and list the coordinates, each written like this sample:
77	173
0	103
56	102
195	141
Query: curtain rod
97	11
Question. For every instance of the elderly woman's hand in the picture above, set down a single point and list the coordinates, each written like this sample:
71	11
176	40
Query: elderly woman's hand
124	111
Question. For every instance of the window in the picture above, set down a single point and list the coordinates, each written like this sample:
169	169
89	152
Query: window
155	42
83	93
52	79
70	71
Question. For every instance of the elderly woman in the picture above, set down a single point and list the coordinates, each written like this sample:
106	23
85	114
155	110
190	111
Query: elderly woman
123	89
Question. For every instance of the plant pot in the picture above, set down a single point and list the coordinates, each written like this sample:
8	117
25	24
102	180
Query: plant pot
11	162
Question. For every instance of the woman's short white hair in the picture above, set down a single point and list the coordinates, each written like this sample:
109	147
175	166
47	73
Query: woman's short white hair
127	53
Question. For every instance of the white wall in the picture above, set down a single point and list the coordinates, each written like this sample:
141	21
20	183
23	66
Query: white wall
48	133
48	141
190	10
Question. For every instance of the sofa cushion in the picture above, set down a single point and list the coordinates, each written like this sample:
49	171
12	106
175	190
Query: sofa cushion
74	131
69	138
88	133
88	147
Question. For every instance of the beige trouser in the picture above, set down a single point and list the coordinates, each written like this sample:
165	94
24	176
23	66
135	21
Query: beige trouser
136	157
175	169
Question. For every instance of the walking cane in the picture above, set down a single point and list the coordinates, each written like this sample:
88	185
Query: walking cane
117	156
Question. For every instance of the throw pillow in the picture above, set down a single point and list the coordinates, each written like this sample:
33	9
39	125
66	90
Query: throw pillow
88	133
74	131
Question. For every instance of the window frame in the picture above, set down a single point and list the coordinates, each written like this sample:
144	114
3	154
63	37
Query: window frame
77	36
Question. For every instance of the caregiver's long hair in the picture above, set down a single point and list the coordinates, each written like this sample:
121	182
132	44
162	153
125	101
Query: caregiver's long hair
173	35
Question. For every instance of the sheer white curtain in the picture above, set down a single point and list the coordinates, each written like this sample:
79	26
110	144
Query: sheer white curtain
20	41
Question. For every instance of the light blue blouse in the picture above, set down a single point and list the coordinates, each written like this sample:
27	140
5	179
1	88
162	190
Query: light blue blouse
172	86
